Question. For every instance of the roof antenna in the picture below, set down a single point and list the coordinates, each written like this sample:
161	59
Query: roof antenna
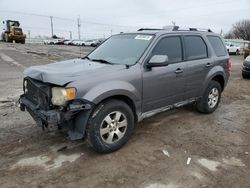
175	28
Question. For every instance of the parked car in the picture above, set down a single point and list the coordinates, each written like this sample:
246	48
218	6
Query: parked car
92	43
131	76
69	42
246	68
47	42
78	43
62	41
51	41
232	49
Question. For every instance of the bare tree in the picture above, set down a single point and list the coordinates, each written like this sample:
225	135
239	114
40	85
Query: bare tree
229	35
240	30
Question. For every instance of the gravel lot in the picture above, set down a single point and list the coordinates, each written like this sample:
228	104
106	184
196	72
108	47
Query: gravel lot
218	145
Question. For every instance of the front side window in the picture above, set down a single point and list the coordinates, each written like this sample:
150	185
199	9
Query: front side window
195	48
122	49
170	46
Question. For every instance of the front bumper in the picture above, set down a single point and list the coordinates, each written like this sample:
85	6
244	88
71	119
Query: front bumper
17	37
246	70
53	116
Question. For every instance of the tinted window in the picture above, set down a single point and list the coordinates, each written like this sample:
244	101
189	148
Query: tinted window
122	49
170	46
195	47
217	45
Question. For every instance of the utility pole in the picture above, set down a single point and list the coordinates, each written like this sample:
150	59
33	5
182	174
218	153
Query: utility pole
51	24
70	35
79	34
29	33
221	32
79	28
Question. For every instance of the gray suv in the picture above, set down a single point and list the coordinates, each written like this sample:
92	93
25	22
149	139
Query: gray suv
129	77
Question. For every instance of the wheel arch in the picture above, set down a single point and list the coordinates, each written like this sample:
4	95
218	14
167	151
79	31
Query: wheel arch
125	99
217	74
220	79
82	119
121	90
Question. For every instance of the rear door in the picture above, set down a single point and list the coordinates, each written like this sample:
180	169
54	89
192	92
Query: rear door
198	64
165	85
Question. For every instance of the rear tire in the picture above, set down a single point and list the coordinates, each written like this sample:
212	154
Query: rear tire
210	99
2	37
110	126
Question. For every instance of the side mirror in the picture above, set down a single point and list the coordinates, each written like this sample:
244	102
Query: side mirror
3	22
158	61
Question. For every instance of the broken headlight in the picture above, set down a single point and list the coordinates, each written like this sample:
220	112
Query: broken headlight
61	95
25	88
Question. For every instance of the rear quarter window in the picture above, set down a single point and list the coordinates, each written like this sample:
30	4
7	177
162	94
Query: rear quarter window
217	45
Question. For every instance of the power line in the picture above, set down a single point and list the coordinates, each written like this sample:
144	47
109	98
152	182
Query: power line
68	19
24	13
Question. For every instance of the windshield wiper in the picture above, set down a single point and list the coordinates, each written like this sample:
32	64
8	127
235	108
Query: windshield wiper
101	61
86	57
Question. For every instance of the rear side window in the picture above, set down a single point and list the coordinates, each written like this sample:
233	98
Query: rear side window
195	47
217	45
170	46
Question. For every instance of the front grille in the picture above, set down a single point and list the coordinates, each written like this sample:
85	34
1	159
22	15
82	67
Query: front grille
18	31
38	93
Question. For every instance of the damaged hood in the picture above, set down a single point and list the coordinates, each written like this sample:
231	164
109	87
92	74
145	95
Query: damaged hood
64	72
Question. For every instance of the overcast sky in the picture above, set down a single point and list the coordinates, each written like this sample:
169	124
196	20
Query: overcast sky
98	17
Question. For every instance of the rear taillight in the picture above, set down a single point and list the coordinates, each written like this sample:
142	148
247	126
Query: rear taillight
229	64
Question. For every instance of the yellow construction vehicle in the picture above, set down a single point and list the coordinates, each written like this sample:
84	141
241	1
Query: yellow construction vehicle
12	32
247	51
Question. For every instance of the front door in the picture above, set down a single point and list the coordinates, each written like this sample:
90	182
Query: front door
163	86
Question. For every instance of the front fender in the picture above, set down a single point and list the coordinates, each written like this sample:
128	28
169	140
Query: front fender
112	88
99	93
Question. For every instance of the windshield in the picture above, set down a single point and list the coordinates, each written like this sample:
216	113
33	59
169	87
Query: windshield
122	49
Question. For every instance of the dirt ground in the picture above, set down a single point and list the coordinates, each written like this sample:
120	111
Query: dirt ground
217	146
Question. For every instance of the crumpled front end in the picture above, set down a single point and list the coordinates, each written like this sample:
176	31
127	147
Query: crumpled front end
37	101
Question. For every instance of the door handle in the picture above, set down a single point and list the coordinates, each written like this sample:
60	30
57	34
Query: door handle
179	70
209	65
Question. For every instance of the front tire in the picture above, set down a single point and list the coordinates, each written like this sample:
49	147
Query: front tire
7	38
110	126
210	99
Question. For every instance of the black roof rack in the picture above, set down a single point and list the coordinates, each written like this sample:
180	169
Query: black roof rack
148	29
200	29
177	28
